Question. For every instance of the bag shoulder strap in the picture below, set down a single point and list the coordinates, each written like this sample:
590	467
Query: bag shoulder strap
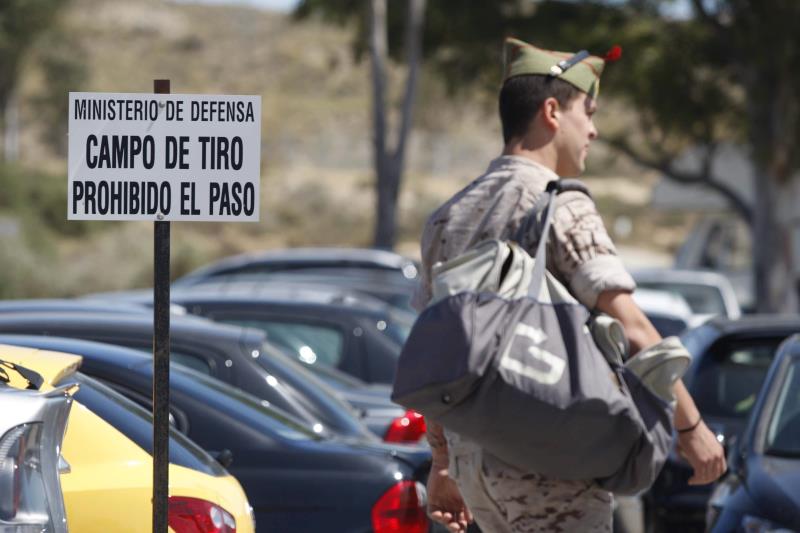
546	204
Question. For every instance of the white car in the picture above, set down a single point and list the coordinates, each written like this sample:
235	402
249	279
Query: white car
707	293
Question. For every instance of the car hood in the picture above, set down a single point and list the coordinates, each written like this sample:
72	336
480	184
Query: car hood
774	485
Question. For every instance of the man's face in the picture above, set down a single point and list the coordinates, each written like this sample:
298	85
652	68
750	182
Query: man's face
575	134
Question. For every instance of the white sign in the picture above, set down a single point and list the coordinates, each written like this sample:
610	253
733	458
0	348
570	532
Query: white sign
164	157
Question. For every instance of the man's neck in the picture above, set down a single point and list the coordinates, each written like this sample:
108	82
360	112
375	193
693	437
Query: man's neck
543	155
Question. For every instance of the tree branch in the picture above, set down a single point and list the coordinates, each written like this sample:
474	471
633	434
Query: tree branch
701	11
704	177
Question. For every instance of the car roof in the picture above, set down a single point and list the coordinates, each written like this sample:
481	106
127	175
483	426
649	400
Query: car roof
124	357
694	277
321	256
255	290
201	326
662	302
290	293
790	347
68	304
755	323
52	366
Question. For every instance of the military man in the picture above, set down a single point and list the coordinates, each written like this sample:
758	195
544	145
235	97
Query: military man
546	105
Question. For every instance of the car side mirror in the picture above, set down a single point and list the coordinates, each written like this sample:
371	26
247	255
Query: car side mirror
223	457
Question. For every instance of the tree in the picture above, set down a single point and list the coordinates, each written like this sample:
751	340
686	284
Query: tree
21	21
388	159
730	72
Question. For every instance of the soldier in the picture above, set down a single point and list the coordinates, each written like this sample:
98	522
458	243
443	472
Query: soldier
546	107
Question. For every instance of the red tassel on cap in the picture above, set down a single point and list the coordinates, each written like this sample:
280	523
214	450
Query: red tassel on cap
614	53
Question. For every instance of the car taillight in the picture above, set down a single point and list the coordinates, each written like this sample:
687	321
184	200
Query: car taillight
401	509
193	515
407	428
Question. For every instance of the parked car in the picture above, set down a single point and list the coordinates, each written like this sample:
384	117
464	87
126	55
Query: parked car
762	489
231	354
31	432
358	336
69	305
318	325
668	312
386	286
108	447
706	292
296	479
730	363
360	261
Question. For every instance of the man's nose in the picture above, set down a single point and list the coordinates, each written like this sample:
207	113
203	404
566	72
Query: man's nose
593	132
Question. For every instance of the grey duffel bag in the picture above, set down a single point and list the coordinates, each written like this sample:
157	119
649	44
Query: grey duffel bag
521	376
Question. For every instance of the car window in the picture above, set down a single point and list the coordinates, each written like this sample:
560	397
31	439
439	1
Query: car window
729	377
311	343
258	412
192	361
137	424
783	433
702	299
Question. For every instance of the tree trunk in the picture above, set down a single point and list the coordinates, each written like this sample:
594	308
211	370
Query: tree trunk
389	162
10	129
769	263
772	137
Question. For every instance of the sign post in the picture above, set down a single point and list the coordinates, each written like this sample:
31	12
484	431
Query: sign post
160	363
163	157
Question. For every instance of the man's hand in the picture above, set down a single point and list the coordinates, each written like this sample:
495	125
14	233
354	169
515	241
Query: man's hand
701	448
445	504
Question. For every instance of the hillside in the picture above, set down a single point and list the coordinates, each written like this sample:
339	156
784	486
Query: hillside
316	176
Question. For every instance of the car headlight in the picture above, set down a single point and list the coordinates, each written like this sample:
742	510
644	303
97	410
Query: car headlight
754	524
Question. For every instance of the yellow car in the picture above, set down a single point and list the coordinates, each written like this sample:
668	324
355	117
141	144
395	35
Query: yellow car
108	447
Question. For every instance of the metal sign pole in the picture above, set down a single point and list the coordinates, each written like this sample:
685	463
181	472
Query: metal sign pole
161	364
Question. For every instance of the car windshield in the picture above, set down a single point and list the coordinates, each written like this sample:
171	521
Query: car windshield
702	299
783	432
137	424
257	411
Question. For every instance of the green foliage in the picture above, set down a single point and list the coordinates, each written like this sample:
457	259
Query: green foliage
39	200
20	23
62	60
727	73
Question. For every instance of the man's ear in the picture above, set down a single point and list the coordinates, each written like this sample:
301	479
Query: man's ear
551	113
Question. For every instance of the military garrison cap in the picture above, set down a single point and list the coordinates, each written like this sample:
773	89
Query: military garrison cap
581	69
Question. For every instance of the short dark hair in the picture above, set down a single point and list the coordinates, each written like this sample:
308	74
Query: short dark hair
522	96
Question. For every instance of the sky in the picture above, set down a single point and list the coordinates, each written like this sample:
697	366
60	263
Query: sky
273	5
679	9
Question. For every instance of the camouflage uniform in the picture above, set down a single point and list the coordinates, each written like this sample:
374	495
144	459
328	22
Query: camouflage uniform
581	254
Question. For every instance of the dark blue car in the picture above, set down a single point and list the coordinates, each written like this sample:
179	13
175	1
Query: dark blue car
730	360
762	489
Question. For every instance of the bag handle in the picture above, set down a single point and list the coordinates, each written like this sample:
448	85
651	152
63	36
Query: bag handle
546	201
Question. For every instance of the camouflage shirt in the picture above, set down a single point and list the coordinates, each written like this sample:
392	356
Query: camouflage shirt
580	252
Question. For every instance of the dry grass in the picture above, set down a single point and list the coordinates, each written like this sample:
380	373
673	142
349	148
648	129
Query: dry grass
316	159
